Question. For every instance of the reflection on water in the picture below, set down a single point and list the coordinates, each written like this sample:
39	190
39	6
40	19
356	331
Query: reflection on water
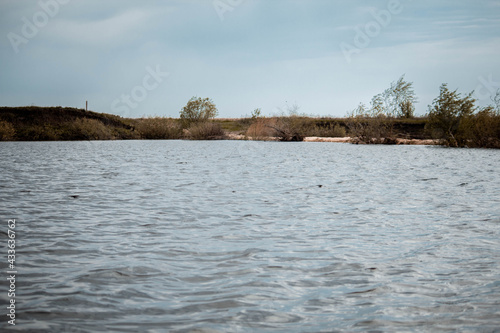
155	236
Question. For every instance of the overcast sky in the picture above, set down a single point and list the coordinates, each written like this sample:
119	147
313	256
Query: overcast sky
135	58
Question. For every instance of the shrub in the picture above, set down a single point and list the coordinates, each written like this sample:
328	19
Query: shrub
458	122
450	117
126	134
399	99
338	131
91	129
197	110
207	130
256	113
45	132
7	131
262	128
328	130
367	126
159	128
482	129
291	128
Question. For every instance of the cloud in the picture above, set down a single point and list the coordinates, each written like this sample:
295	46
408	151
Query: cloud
101	32
262	54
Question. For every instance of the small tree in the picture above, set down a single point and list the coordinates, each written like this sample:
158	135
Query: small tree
256	114
198	110
376	123
449	116
399	99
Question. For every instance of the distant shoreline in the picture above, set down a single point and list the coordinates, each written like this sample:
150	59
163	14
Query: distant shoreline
33	123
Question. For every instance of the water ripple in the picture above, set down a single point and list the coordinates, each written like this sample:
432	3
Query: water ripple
157	236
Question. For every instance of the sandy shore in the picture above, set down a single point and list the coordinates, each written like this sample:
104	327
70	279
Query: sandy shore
348	140
232	136
322	139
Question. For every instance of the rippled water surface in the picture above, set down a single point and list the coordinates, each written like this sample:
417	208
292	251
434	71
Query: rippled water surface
231	236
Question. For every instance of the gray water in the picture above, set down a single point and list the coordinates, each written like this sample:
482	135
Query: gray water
232	236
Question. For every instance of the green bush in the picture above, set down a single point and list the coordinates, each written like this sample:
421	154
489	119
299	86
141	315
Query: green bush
197	110
458	122
450	117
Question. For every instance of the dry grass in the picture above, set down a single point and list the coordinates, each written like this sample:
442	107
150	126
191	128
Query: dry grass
329	131
91	129
262	128
207	130
158	128
7	131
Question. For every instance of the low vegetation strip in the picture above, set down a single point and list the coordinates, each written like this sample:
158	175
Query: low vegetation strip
57	123
453	120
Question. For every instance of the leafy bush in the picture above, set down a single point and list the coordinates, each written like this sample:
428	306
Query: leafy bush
485	129
449	116
197	110
458	122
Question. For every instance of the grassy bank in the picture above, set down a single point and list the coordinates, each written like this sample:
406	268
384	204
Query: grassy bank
58	123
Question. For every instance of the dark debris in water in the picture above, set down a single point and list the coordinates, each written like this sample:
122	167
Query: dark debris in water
362	291
74	196
427	179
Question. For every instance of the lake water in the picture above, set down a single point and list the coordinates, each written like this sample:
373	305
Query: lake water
235	236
